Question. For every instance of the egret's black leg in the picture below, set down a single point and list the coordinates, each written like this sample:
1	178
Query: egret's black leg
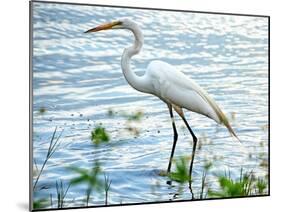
194	145
193	153
175	137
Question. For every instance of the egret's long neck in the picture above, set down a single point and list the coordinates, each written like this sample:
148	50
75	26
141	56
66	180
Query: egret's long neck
137	82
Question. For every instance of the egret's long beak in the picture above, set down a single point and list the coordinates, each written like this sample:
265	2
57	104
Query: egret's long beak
104	26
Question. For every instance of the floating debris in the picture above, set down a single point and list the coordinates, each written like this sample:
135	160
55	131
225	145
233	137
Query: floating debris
42	110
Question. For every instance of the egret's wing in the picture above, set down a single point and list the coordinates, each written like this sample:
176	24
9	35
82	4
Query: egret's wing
173	85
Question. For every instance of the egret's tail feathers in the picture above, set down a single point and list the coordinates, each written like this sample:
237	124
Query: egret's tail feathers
220	115
226	123
223	119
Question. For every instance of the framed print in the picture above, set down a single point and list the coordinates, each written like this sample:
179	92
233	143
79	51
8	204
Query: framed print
137	105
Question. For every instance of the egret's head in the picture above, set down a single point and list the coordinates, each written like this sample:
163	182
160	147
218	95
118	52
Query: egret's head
120	24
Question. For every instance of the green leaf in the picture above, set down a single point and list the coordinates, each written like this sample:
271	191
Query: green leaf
181	173
261	185
99	135
40	203
77	180
88	176
245	186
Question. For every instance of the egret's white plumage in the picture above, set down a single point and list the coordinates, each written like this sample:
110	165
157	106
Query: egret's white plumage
176	88
172	86
166	82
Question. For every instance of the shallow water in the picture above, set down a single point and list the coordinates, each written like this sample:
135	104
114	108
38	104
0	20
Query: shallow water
77	78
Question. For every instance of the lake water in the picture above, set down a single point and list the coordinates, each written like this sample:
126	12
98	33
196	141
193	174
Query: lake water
77	79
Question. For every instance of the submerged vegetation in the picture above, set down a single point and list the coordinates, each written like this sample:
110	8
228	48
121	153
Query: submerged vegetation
54	144
107	183
134	116
181	174
137	116
41	203
61	193
204	184
42	110
246	185
96	182
89	177
132	119
99	135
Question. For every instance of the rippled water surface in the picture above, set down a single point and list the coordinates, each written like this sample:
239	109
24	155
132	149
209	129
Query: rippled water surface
78	81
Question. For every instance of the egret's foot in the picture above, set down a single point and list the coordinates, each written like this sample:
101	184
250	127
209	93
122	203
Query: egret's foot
169	182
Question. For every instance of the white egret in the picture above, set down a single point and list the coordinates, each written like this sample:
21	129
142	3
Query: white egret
170	85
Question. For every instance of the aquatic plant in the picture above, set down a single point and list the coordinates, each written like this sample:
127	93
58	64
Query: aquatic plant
53	146
99	135
131	119
41	203
107	184
207	167
42	110
264	163
246	185
137	116
89	177
61	193
261	186
181	173
110	112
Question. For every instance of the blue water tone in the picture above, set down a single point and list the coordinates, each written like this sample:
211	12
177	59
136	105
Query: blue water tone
77	79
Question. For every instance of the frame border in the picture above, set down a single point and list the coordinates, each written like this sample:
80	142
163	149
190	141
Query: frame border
30	205
31	103
147	8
